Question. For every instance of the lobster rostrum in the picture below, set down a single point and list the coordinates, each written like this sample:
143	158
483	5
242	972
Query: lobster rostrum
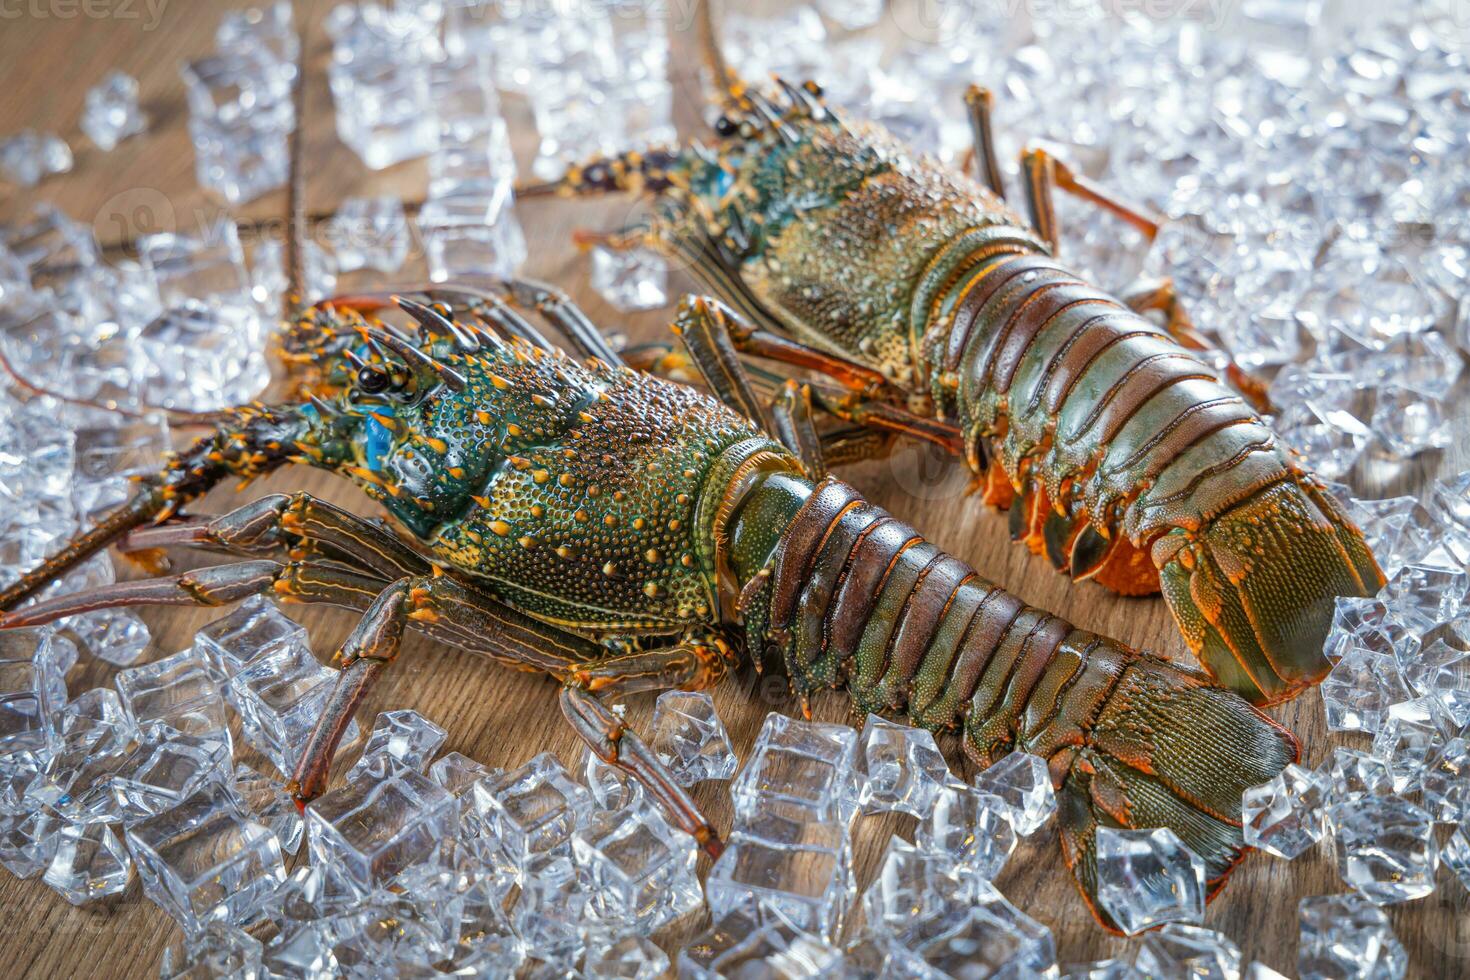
925	305
623	533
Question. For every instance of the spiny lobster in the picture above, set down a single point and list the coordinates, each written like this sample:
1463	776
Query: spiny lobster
931	308
625	533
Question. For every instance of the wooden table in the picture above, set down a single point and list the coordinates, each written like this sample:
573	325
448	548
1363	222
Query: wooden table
50	58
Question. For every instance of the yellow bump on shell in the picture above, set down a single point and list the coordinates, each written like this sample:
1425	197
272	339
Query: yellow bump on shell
456	472
580	516
519	462
500	527
585	417
542	400
499	382
611	520
565	551
436	444
482	501
638	523
682	498
511	429
653	590
687	561
565	479
609	569
485	418
537	510
540	476
652	556
526	541
675	524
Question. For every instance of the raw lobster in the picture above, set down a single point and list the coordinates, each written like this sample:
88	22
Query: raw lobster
624	533
933	309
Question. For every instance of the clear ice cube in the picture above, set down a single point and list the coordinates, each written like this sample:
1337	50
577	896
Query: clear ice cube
1446	782
1352	775
384	113
219	950
398	738
639	870
1023	785
903	768
805	876
611	788
909	886
161	773
690	739
28	157
89	863
799	770
1284	816
267	801
178	691
367	831
1385	848
968	829
205	860
370	233
987	936
256	627
629	278
1181	951
280	696
747	943
532	811
32	688
1360	688
1148	877
1346	936
471	234
111	113
28	840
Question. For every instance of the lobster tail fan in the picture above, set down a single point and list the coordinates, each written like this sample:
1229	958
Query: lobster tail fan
1168	750
1253	590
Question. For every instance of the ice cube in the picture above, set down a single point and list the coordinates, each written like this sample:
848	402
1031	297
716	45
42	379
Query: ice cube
1181	951
162	772
611	788
639	870
399	738
551	912
532	811
1023	785
1446	782
370	232
178	691
745	943
1284	816
630	278
28	157
99	709
629	958
690	739
281	695
800	770
1385	848
267	801
1360	688
219	950
1412	733
909	886
990	937
1101	970
903	766
1346	936
384	113
111	113
1352	774
367	831
28	840
1456	855
488	944
256	627
89	863
806	875
969	829
1148	877
32	688
117	636
471	234
206	860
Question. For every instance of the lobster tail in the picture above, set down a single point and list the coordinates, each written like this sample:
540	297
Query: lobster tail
849	596
1167	749
1253	589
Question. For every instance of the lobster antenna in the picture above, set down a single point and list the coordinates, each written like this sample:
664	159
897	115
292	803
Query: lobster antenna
296	191
725	78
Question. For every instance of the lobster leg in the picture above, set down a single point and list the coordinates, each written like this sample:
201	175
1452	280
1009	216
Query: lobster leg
306	525
689	666
791	414
978	104
1038	177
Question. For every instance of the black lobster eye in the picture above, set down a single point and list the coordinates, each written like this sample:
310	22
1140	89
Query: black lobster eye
373	381
725	126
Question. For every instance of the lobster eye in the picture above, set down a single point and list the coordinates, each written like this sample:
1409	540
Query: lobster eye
372	381
725	126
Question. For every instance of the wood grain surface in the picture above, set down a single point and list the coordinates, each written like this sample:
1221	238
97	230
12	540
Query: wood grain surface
52	51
